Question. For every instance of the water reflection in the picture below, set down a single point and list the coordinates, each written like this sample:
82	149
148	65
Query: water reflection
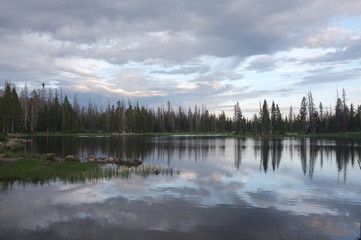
98	174
342	151
165	149
227	189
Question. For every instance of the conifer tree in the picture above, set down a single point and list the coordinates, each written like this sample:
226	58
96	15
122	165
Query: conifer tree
312	113
302	116
265	120
68	124
238	119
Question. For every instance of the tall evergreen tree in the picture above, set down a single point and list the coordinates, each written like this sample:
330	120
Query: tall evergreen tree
302	116
238	119
265	120
312	114
12	113
68	123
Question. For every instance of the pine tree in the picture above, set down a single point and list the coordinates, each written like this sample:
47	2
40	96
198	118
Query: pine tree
238	119
279	124
302	116
265	120
290	119
12	113
2	113
34	110
312	113
56	116
6	108
338	115
68	123
273	118
25	106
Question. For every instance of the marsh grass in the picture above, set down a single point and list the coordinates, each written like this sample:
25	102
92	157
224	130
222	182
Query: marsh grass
36	172
327	135
3	138
14	154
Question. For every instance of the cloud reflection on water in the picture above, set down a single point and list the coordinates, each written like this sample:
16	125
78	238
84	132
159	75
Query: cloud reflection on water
226	189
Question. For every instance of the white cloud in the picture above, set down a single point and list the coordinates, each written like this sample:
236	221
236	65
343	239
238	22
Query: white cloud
196	52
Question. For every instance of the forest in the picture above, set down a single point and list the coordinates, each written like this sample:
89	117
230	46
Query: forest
47	110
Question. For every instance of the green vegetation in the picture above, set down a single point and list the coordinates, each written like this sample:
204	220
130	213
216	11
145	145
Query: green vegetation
183	133
30	134
328	135
31	170
16	154
46	111
3	138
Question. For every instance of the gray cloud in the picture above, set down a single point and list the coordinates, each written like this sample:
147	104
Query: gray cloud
185	70
206	27
262	64
218	76
328	77
350	51
45	41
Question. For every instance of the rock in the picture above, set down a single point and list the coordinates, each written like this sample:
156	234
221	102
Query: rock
58	159
109	160
136	162
92	159
119	161
133	162
72	158
82	159
48	157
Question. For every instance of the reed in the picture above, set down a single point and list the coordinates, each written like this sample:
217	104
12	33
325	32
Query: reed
35	172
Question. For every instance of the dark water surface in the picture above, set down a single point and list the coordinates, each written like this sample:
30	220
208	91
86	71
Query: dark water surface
227	188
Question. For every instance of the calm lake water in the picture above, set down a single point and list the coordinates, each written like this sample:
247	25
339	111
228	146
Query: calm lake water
226	188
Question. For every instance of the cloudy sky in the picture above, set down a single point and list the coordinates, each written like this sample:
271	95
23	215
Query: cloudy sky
205	52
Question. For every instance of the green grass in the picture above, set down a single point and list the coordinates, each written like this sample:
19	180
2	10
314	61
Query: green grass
3	138
16	154
300	135
61	134
181	133
30	170
328	135
109	134
33	170
224	134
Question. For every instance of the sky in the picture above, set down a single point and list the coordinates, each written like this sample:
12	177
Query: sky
204	52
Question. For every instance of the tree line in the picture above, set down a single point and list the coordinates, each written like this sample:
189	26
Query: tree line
46	109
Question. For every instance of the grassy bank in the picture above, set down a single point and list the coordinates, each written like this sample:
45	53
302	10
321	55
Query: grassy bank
26	169
33	170
327	135
224	134
58	134
182	133
112	134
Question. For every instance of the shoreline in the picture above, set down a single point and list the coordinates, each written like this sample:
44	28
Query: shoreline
222	134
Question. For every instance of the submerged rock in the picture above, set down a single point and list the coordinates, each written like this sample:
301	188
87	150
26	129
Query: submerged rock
136	162
49	157
72	158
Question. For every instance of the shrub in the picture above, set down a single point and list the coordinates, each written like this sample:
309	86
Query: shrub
3	138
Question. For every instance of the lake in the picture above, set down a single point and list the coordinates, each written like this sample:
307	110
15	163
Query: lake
226	188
